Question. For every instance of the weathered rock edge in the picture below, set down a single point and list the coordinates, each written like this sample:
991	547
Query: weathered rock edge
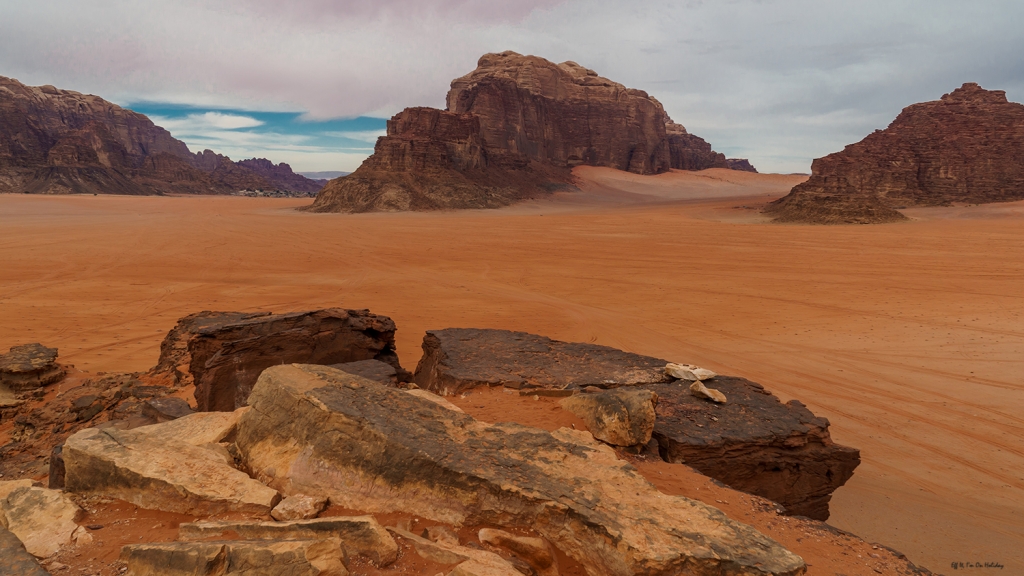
223	353
313	429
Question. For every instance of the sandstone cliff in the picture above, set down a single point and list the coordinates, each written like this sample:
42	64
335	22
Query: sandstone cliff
966	147
513	129
56	141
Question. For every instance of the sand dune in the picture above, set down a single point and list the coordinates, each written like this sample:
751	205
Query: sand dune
908	337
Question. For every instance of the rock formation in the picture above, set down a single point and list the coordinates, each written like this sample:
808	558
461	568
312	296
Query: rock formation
56	141
29	367
513	129
317	430
741	164
223	353
966	147
458	359
14	559
754	443
617	417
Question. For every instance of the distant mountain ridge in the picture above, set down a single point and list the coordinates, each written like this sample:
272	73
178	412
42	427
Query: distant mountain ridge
55	141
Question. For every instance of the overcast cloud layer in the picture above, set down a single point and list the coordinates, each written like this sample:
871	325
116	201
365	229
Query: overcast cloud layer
780	82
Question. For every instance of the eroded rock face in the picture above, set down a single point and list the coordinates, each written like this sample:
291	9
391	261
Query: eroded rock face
55	141
966	147
360	535
512	130
242	558
177	466
754	443
618	417
457	359
28	367
223	353
317	430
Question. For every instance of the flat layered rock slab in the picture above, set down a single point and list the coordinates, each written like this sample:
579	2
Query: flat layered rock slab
241	558
360	535
223	353
316	430
43	520
458	359
754	443
156	467
28	367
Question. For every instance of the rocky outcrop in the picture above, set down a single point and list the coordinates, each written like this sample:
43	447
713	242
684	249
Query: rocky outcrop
618	417
15	560
234	557
468	561
317	430
741	164
299	507
966	147
457	359
177	466
55	141
754	443
538	553
223	353
512	129
29	367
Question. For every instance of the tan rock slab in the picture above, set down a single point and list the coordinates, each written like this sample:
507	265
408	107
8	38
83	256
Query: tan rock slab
620	417
242	558
43	519
150	469
360	535
299	507
316	430
699	390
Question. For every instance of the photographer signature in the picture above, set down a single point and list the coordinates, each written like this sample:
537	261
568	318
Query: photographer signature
960	565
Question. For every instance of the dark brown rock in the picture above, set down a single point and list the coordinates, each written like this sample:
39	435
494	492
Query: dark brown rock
457	359
28	367
282	557
314	429
754	443
55	476
371	370
15	560
164	409
56	141
966	147
741	164
512	130
223	353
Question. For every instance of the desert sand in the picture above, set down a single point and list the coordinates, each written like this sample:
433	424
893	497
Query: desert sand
909	337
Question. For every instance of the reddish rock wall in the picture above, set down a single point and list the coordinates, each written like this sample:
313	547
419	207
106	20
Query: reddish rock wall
966	147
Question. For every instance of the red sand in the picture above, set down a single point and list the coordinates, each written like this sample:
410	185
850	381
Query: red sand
908	337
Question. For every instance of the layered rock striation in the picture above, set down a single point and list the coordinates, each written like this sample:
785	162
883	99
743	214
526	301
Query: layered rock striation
55	141
513	129
967	146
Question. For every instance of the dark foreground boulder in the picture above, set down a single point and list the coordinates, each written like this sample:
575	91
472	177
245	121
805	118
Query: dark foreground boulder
318	430
457	359
754	443
15	560
223	353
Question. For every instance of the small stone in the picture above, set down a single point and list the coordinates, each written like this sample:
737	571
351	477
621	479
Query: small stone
81	536
700	391
299	507
442	534
688	372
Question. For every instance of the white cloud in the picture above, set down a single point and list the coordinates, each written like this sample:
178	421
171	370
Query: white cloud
360	135
206	122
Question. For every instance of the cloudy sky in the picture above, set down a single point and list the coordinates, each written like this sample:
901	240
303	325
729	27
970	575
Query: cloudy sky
309	82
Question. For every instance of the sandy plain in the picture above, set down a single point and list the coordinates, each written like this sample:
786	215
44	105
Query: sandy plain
908	337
